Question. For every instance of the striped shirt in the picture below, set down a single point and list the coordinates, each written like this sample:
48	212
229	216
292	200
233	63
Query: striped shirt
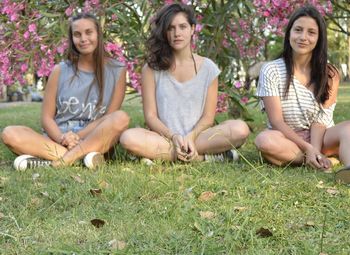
299	107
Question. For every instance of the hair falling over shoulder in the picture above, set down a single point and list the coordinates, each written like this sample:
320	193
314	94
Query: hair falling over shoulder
159	53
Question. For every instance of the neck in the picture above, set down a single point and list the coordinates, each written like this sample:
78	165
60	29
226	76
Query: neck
86	62
184	55
302	62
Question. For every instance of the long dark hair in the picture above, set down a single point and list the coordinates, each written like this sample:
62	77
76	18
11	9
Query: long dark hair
99	53
320	70
160	54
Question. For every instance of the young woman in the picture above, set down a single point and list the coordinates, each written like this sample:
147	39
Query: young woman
179	92
299	92
80	111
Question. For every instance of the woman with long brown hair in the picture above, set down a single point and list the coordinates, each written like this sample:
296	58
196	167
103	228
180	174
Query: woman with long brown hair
80	111
179	93
299	92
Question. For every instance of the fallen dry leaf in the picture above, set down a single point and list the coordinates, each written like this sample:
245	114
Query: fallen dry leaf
310	223
103	185
95	192
35	176
2	215
239	208
77	178
45	194
35	201
332	191
320	185
223	192
264	232
207	215
97	223
206	196
117	245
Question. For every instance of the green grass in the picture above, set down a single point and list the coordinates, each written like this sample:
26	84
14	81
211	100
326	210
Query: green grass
156	210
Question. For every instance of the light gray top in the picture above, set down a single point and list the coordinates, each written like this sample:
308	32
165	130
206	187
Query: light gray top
77	96
299	108
180	105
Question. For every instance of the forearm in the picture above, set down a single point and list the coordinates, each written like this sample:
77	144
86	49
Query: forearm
156	125
317	132
52	130
204	123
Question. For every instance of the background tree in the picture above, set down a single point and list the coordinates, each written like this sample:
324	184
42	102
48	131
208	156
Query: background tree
236	34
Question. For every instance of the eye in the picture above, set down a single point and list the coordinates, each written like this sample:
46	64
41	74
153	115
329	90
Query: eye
76	34
183	26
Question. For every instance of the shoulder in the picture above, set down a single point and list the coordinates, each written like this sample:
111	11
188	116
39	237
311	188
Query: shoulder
273	68
57	69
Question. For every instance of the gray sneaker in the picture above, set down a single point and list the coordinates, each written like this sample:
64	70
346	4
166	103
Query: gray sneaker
230	155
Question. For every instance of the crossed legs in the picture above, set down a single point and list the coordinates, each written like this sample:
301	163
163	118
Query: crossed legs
279	150
149	144
106	131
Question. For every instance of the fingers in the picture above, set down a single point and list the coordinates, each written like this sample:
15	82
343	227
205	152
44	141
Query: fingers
70	140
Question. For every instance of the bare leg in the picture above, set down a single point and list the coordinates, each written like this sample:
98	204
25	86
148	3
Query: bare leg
277	149
229	134
337	142
24	140
148	144
105	134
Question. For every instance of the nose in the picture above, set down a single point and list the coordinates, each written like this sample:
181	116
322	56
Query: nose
176	31
83	38
303	35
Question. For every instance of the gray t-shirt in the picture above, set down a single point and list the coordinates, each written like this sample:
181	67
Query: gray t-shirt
77	96
181	105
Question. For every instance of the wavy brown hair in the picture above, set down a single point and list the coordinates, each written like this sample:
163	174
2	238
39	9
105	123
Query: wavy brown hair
321	72
99	54
159	53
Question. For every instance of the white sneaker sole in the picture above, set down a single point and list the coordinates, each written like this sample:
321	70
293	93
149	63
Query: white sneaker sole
93	160
20	162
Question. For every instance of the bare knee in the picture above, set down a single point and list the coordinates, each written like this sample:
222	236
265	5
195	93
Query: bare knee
129	139
239	130
265	143
119	121
10	136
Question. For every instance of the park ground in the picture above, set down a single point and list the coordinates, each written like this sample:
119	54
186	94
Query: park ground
127	207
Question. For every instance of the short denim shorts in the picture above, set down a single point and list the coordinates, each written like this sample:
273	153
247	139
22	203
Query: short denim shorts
73	125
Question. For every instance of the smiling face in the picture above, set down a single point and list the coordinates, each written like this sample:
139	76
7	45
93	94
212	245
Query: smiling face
85	36
180	32
304	35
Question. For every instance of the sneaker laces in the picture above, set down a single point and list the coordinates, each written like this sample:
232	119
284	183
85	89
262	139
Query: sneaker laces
37	162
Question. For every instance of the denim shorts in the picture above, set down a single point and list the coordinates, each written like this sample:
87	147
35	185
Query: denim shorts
73	125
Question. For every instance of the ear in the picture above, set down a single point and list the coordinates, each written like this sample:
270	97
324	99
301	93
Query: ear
193	27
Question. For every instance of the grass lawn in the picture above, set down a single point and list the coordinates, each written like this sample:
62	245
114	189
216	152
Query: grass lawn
245	207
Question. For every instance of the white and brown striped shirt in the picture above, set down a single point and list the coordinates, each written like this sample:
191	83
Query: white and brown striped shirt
299	107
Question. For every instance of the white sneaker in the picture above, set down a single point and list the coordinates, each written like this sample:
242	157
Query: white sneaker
230	155
24	162
93	159
147	161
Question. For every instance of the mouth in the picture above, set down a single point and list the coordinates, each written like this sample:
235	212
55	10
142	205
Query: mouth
302	45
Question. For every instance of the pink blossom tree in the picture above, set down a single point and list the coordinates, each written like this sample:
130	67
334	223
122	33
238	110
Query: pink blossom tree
235	34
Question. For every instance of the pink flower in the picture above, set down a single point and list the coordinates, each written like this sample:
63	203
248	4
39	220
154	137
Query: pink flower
69	11
32	28
114	17
24	67
244	100
238	84
26	35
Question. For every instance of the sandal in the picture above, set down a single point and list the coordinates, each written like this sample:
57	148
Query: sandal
343	175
